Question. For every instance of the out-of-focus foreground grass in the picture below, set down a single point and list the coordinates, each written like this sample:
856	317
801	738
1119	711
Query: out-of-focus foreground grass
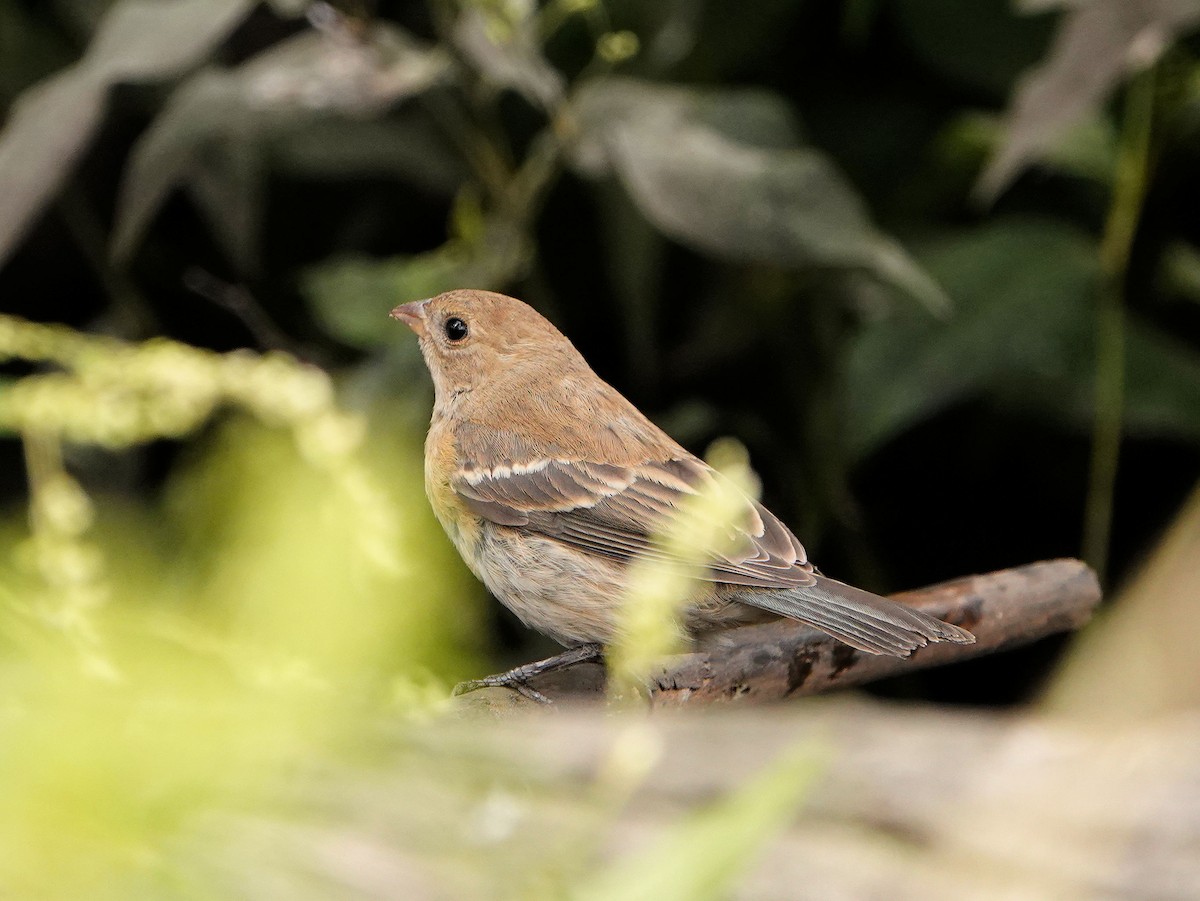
287	588
276	628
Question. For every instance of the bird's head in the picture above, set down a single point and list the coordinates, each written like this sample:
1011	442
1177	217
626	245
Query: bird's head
470	337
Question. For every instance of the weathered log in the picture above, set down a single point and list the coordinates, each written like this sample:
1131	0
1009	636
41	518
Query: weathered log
909	802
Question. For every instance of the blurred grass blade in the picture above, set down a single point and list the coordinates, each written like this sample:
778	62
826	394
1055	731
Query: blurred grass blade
705	526
701	858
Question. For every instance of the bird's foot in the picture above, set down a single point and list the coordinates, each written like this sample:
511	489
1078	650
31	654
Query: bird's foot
518	677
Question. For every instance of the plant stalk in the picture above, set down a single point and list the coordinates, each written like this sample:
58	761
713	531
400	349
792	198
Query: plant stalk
1125	210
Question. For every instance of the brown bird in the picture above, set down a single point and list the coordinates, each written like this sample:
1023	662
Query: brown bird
550	483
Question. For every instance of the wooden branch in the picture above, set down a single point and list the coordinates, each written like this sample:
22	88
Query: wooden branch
784	659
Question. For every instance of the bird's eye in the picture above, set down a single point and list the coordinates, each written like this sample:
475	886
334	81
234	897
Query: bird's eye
455	328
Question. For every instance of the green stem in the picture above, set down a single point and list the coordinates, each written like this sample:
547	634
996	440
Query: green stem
1129	194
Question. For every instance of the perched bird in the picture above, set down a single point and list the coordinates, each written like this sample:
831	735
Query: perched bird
549	482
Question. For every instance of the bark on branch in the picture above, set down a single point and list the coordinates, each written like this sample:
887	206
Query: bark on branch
784	659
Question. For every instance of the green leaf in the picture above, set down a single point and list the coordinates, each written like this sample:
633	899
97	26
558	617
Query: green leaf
1097	44
703	856
1179	270
351	296
1023	332
406	144
217	129
721	171
52	124
1022	295
223	173
1162	395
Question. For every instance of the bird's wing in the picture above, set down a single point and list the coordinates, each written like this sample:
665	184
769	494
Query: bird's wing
616	510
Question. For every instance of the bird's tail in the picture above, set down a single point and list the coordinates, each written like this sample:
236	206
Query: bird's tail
859	618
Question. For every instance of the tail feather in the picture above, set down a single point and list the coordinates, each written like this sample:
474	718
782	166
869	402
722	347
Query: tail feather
859	618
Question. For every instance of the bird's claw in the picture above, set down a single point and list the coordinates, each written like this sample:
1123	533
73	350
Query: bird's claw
522	688
518	679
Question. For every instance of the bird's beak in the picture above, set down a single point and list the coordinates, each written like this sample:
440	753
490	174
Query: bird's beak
412	315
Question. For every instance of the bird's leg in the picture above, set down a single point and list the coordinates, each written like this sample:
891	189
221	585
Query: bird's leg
518	677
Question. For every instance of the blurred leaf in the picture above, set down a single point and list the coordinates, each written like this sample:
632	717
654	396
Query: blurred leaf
703	856
255	633
1162	382
501	40
212	136
1087	149
1022	331
351	297
1097	44
719	170
52	123
761	117
1179	270
275	552
1022	293
983	45
406	144
1162	392
223	172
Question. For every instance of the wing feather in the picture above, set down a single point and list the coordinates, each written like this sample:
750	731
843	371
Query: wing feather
615	511
859	618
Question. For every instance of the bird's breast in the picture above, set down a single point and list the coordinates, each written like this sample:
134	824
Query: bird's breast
441	460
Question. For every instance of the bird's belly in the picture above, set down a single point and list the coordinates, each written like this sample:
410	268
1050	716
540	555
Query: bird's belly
571	596
575	597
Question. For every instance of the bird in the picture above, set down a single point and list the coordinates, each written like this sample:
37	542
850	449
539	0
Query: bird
551	484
